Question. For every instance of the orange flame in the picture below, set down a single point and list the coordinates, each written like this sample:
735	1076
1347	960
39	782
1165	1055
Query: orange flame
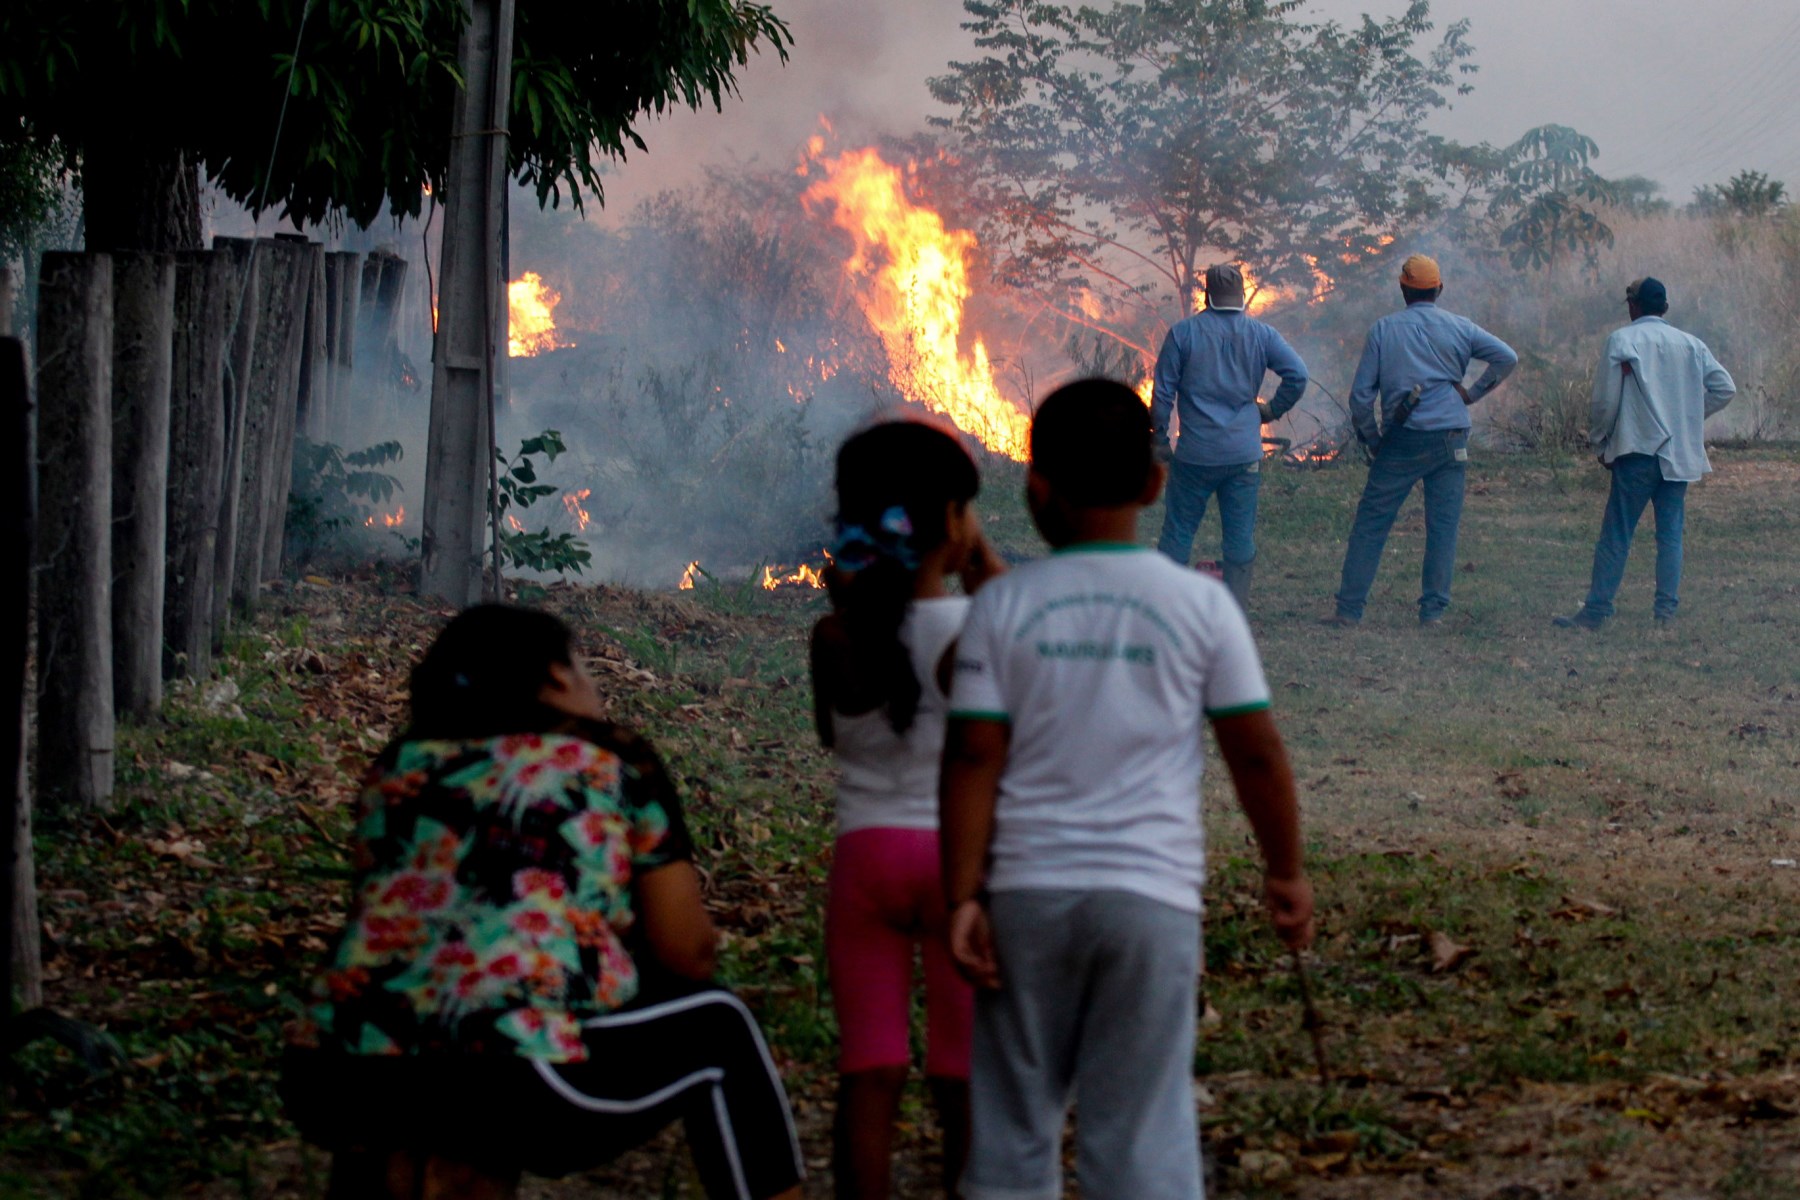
530	325
391	520
688	576
803	576
518	526
574	502
915	277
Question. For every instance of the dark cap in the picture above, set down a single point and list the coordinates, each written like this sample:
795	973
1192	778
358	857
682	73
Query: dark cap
1224	287
1648	294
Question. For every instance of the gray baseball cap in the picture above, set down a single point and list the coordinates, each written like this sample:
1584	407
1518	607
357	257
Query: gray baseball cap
1224	287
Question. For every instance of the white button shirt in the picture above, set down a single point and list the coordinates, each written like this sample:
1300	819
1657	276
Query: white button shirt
1661	407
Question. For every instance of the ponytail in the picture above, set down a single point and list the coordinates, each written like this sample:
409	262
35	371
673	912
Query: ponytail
895	482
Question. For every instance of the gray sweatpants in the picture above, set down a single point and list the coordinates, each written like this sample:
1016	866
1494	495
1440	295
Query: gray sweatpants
1096	1004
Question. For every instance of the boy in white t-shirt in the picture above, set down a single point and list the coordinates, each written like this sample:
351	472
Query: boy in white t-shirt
1073	858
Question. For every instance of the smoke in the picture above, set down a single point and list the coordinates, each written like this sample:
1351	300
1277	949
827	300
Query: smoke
714	350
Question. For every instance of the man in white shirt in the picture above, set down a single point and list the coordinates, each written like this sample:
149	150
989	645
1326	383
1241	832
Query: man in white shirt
1653	391
1069	807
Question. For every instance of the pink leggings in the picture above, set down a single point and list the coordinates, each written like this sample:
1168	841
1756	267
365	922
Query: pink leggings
887	896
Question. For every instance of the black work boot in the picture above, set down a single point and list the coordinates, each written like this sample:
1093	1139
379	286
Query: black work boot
1237	578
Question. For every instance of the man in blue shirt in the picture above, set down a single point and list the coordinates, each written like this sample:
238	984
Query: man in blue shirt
1211	366
1413	365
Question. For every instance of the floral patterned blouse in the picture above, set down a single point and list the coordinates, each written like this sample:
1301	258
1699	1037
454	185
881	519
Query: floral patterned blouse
492	894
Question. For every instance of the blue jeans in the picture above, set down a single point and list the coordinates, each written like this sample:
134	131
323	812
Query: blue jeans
1438	459
1637	481
1190	487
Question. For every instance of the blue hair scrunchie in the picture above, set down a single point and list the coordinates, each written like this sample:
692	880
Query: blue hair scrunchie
857	547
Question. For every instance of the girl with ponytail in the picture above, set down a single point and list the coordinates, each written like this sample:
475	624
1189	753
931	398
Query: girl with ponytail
905	524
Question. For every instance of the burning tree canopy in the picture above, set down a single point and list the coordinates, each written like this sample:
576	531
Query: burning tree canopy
1117	151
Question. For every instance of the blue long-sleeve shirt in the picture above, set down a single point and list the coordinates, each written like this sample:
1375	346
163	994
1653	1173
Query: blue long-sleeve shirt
1426	347
1211	366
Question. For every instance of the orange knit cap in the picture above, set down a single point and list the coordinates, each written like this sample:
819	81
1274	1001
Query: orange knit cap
1420	271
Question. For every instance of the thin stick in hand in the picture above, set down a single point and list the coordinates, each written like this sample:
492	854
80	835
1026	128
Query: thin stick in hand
1311	1021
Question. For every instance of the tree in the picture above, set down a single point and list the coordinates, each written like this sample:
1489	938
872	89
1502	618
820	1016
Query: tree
31	193
1547	195
1119	150
1746	194
139	93
1639	196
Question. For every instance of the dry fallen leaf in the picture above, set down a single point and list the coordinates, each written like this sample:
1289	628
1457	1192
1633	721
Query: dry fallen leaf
1580	910
1446	955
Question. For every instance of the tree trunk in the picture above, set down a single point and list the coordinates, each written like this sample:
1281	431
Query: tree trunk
247	272
20	962
206	303
305	370
138	196
143	310
75	688
281	295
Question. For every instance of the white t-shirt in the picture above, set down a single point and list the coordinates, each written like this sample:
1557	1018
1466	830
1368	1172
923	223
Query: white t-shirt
890	781
1106	660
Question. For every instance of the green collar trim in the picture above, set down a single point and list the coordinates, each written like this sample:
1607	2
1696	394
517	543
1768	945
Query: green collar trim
1099	548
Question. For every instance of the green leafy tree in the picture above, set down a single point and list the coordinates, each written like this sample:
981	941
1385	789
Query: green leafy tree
1547	198
140	93
1746	194
31	193
1119	150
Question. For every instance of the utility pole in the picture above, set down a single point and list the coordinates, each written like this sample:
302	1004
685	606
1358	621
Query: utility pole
459	454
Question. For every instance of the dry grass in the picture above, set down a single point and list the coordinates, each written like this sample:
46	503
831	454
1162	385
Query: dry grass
1592	818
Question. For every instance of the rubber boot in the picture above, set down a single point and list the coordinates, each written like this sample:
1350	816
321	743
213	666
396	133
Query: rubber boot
1237	578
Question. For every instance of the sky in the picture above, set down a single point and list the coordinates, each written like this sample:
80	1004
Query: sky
1685	92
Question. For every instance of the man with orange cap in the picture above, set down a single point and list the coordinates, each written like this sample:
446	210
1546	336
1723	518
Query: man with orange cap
1413	367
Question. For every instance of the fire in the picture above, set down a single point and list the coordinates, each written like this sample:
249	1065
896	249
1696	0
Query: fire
1318	454
391	520
689	576
531	327
575	502
518	526
803	576
915	273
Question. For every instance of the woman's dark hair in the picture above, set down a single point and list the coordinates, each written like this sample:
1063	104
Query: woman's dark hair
482	676
921	469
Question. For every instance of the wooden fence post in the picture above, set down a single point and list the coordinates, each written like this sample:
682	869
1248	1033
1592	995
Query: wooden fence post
383	287
21	964
206	304
247	273
344	373
75	689
305	371
281	296
325	419
143	311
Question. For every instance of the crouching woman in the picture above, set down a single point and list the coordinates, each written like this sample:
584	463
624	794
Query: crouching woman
520	985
